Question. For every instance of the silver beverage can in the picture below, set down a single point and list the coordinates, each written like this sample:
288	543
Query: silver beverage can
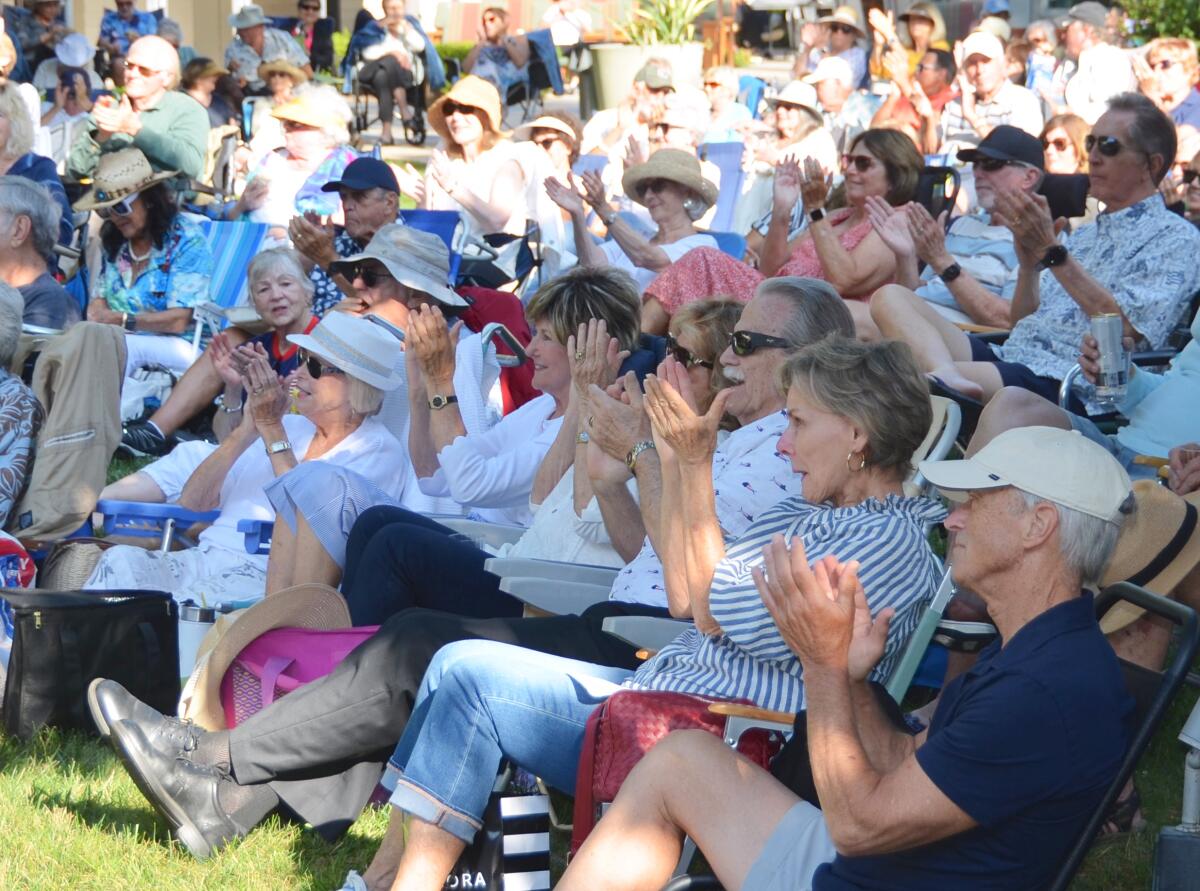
1109	330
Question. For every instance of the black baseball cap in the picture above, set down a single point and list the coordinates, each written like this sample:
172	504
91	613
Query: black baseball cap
1006	143
365	173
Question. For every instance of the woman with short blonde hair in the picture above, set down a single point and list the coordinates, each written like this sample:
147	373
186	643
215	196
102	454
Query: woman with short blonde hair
1169	78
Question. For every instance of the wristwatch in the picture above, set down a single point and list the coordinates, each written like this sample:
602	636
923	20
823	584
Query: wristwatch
279	445
1055	255
129	321
817	214
437	400
638	448
950	273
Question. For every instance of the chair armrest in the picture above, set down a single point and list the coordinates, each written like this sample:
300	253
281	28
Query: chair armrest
741	710
139	514
494	534
553	597
984	330
257	535
550	569
646	632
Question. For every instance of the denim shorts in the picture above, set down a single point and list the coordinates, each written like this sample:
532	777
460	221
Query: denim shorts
1123	454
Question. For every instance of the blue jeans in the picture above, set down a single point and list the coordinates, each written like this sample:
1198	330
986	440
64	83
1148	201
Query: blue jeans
482	702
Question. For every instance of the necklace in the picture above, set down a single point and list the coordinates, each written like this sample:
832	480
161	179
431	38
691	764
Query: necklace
140	258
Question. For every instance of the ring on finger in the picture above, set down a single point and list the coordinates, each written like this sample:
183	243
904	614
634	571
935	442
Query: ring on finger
579	355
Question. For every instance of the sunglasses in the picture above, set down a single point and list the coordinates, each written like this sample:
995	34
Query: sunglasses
370	275
140	69
842	29
653	185
295	126
545	142
310	8
991	165
1059	145
1109	146
1189	176
314	366
122	208
684	356
745	343
450	107
861	163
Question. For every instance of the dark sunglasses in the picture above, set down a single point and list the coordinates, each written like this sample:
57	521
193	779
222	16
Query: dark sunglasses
842	29
1059	145
545	142
1109	146
370	275
122	208
295	126
1189	176
991	165
861	163
744	343
449	107
684	356
310	7
314	366
140	69
653	185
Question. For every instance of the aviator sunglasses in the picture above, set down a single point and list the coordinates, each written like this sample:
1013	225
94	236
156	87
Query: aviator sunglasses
684	356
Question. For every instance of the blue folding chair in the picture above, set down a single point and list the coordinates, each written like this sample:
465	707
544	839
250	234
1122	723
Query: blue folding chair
445	225
728	157
593	163
233	245
730	243
140	519
750	92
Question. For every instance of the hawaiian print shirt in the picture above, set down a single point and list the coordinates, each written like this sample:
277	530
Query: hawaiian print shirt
326	294
20	419
114	29
244	61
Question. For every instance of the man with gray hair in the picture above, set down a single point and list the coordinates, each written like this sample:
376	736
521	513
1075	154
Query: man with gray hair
1101	70
29	220
20	412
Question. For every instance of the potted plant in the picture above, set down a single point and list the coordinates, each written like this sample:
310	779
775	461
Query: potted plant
655	28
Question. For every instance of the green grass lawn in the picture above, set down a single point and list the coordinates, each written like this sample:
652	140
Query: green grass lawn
72	819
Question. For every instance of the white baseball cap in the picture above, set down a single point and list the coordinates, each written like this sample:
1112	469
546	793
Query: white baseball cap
982	43
1061	466
831	68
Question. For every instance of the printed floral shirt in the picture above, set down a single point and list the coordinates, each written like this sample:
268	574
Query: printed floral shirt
1144	255
177	275
326	294
244	61
114	29
20	419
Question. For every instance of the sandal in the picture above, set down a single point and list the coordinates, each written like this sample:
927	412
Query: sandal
1124	817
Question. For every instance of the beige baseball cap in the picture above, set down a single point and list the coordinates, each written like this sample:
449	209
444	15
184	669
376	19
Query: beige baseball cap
982	43
1061	466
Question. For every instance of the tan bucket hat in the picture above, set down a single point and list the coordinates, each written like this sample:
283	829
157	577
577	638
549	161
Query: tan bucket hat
282	66
302	606
118	175
308	110
844	15
1159	545
475	92
418	259
674	165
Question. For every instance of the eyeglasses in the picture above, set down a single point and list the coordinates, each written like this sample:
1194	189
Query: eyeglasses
1189	176
140	69
861	163
744	343
842	29
370	275
122	208
991	165
1059	145
1109	146
450	107
684	356
314	366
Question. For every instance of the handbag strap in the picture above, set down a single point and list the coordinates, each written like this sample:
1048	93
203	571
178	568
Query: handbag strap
274	667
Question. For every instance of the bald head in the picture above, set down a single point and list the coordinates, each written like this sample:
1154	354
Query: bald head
156	55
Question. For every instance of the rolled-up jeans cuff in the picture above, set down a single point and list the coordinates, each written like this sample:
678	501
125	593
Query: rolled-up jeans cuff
424	805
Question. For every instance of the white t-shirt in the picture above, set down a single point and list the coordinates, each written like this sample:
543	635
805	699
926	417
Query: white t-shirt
558	533
479	176
676	249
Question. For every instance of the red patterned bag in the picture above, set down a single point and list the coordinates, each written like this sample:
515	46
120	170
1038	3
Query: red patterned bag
627	726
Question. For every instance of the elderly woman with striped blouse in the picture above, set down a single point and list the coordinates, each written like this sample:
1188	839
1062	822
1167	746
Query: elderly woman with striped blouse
857	413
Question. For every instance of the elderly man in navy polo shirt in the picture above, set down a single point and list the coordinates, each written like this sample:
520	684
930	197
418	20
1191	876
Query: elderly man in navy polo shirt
1019	751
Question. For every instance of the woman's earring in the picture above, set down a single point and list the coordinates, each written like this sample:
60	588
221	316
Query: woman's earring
862	461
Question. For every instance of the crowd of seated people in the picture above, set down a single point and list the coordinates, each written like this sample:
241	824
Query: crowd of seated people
731	433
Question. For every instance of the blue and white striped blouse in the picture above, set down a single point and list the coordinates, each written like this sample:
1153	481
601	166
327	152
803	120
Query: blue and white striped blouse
749	659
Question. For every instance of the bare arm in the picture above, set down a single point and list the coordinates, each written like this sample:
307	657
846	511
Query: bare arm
569	198
621	514
202	491
559	457
429	355
928	236
785	193
640	251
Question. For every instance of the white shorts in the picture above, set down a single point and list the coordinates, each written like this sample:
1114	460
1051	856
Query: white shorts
799	844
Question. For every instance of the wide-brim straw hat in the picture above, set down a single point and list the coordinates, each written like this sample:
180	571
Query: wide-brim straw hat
674	165
358	347
302	606
546	122
1158	546
475	92
282	66
414	258
305	109
843	15
800	94
118	175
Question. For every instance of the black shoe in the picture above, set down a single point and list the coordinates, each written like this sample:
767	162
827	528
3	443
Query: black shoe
143	440
109	703
185	794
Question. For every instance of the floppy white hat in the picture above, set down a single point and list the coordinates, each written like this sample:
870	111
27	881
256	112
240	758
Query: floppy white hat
799	94
354	345
418	259
1061	466
74	51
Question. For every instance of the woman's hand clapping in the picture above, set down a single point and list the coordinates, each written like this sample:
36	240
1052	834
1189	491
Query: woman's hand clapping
226	359
568	197
594	358
690	436
430	343
785	191
266	392
814	187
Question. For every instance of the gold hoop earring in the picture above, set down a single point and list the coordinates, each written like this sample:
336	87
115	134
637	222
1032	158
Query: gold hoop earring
862	461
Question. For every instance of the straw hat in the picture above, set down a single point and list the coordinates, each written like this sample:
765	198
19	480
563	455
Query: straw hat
418	259
800	94
302	606
844	15
119	174
211	69
248	16
546	122
283	66
356	346
475	92
305	109
674	165
1159	545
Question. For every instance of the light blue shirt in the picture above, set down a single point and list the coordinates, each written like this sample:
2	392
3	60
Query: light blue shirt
1162	407
722	127
983	251
1146	256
